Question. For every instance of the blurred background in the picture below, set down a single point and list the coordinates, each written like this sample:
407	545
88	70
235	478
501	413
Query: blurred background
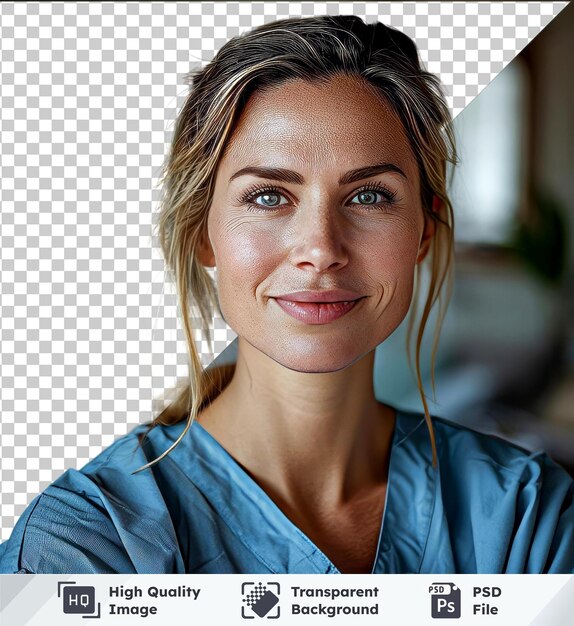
505	362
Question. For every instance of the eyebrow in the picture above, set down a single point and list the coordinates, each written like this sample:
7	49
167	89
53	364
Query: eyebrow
289	176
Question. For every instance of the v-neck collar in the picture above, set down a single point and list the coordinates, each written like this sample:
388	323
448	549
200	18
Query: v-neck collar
257	522
411	496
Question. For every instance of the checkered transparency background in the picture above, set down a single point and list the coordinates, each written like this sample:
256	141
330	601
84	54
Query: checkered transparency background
90	332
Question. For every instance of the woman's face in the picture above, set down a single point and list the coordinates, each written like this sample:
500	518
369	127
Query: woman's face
316	224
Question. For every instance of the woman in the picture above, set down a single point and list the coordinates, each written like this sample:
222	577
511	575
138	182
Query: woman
308	166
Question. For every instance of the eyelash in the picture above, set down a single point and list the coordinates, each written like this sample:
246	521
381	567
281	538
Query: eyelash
254	192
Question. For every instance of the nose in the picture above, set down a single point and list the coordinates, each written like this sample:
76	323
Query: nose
319	239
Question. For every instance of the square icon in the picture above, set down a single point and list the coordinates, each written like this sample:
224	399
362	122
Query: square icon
445	601
78	599
259	599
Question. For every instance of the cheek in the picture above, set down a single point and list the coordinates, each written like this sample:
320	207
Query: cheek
244	254
391	252
389	270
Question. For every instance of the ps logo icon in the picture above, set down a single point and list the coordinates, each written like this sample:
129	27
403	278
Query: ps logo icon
78	600
445	600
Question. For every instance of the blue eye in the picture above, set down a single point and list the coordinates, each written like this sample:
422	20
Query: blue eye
373	196
260	198
269	199
368	197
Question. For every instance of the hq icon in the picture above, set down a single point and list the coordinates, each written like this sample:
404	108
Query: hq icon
445	601
78	599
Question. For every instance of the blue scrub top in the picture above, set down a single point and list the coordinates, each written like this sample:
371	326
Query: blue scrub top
491	507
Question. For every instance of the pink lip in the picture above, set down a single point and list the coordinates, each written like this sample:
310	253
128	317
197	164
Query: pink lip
318	307
334	295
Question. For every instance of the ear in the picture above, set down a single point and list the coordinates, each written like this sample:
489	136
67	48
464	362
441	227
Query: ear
205	254
429	230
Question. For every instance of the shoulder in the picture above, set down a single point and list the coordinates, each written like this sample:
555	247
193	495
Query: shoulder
100	519
466	450
459	446
517	503
463	445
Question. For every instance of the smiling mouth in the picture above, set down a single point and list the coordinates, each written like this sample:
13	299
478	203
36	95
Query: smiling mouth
317	312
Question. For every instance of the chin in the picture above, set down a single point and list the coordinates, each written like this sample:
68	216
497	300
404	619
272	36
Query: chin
315	363
310	357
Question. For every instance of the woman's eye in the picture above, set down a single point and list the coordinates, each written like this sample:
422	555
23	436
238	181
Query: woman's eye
368	197
263	198
269	199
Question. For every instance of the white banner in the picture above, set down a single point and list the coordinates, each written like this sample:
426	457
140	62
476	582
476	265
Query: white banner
233	600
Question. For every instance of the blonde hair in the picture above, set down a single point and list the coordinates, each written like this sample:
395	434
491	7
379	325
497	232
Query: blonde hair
312	49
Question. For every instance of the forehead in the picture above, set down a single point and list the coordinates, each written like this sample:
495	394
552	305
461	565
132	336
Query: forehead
338	123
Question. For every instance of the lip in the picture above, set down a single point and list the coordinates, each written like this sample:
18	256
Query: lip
318	307
333	295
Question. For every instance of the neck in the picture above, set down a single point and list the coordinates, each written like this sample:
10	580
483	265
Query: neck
308	437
